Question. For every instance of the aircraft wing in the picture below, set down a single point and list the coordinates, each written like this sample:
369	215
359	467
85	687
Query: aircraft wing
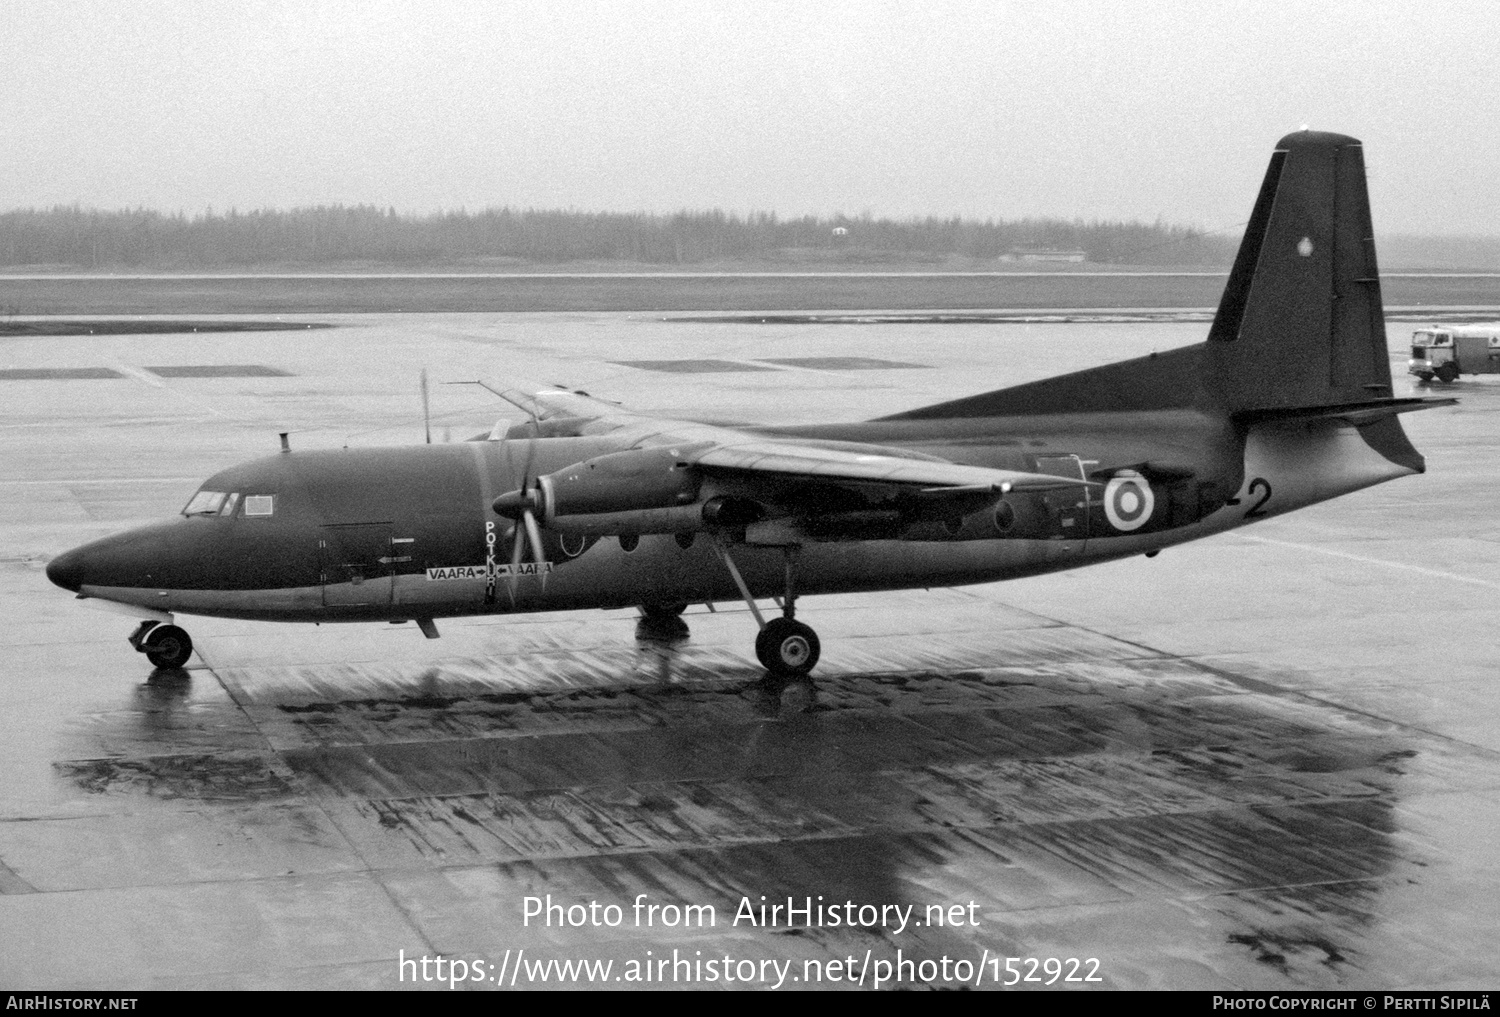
873	464
547	404
723	451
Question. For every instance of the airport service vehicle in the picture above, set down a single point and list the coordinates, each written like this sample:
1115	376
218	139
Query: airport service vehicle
1446	351
1287	402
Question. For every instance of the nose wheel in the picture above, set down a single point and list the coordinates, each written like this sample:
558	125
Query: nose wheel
163	645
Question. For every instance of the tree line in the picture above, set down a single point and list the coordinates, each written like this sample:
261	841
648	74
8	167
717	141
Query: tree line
328	235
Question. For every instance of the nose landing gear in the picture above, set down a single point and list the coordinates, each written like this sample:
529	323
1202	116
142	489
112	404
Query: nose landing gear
163	645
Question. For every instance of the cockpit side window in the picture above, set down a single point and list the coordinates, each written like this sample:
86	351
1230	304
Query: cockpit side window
204	503
229	505
260	504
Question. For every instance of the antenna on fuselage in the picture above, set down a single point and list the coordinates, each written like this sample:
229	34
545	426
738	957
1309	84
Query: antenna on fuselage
286	446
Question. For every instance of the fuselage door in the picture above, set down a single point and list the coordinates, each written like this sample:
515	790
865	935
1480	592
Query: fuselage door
358	561
1067	507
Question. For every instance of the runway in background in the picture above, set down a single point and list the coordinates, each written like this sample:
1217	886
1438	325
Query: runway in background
1268	760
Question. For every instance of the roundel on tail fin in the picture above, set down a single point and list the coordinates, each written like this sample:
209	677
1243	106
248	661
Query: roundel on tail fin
1128	500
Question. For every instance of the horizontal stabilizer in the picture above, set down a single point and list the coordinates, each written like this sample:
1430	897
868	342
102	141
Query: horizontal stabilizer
1356	414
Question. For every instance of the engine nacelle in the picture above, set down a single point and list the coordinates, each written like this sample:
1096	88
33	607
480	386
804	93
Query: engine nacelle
636	522
641	478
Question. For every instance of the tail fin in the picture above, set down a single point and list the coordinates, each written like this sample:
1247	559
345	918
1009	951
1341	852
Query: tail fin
1300	323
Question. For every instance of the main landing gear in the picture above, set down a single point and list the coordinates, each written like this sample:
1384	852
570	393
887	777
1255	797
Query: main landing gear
786	647
163	645
662	623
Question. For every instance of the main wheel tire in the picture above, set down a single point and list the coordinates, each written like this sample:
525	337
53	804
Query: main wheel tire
787	648
1447	374
1424	377
168	646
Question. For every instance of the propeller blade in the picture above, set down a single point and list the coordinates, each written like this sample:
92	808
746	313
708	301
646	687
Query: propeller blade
510	459
536	431
426	412
534	532
518	547
539	555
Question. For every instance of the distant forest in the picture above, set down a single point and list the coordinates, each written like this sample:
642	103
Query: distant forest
72	237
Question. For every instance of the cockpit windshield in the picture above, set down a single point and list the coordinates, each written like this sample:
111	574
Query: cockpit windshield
205	503
217	503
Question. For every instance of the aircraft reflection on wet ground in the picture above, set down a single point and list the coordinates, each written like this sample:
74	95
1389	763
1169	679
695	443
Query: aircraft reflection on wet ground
1232	767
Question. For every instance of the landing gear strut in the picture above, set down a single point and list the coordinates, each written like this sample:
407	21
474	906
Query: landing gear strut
786	647
163	645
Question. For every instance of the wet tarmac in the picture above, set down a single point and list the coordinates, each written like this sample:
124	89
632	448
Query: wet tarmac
1267	760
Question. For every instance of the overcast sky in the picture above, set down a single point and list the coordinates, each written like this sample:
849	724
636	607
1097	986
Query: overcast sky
1112	110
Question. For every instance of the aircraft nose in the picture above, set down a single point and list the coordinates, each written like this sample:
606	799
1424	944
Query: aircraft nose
66	570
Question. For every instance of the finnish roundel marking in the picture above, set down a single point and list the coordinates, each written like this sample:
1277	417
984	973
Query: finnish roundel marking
1128	500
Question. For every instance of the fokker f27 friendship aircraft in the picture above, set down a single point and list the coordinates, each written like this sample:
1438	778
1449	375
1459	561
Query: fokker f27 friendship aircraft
1287	403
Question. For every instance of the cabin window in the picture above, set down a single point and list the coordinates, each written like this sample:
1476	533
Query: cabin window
204	503
259	504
